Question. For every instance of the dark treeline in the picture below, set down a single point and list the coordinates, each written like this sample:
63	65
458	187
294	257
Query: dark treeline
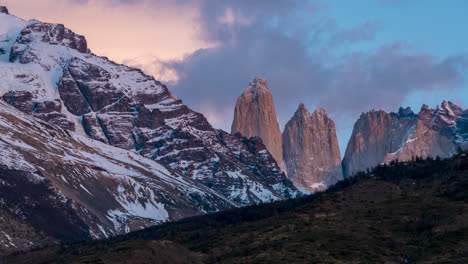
417	168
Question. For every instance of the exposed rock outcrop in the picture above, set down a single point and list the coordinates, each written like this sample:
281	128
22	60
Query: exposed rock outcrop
255	116
50	111
53	34
310	149
4	10
379	137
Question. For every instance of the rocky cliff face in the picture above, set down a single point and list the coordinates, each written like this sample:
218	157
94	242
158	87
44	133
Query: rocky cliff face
311	151
379	137
255	116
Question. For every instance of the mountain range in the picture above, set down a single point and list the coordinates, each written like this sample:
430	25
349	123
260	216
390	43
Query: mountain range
310	149
92	149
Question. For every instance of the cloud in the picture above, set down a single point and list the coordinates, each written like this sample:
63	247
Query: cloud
123	29
297	58
363	32
209	50
154	66
385	78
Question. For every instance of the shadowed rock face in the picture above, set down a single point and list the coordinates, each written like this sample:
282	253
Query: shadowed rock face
4	10
46	110
310	149
379	137
255	116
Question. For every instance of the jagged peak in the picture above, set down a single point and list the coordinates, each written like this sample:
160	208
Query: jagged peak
450	107
54	34
320	111
258	84
447	103
258	79
446	108
426	112
372	113
405	112
4	10
301	112
425	107
320	115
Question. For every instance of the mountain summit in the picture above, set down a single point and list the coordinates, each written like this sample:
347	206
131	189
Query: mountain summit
255	116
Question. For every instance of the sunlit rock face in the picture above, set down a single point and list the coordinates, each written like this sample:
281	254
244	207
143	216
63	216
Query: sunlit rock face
310	149
255	116
379	137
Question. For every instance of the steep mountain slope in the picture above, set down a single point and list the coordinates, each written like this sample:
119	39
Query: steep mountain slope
310	148
51	74
255	116
414	212
19	235
70	187
380	137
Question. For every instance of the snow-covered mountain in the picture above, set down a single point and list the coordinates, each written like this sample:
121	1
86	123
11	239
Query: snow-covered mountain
112	144
97	190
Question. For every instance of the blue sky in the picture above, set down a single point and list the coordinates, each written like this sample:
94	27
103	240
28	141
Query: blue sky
436	27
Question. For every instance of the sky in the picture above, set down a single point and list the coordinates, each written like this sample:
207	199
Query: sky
346	56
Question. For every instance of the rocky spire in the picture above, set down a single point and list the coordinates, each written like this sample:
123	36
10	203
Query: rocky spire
255	116
4	10
310	149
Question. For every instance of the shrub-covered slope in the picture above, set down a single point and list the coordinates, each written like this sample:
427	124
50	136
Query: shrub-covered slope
412	212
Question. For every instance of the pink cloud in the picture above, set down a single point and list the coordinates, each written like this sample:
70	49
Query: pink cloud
121	30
